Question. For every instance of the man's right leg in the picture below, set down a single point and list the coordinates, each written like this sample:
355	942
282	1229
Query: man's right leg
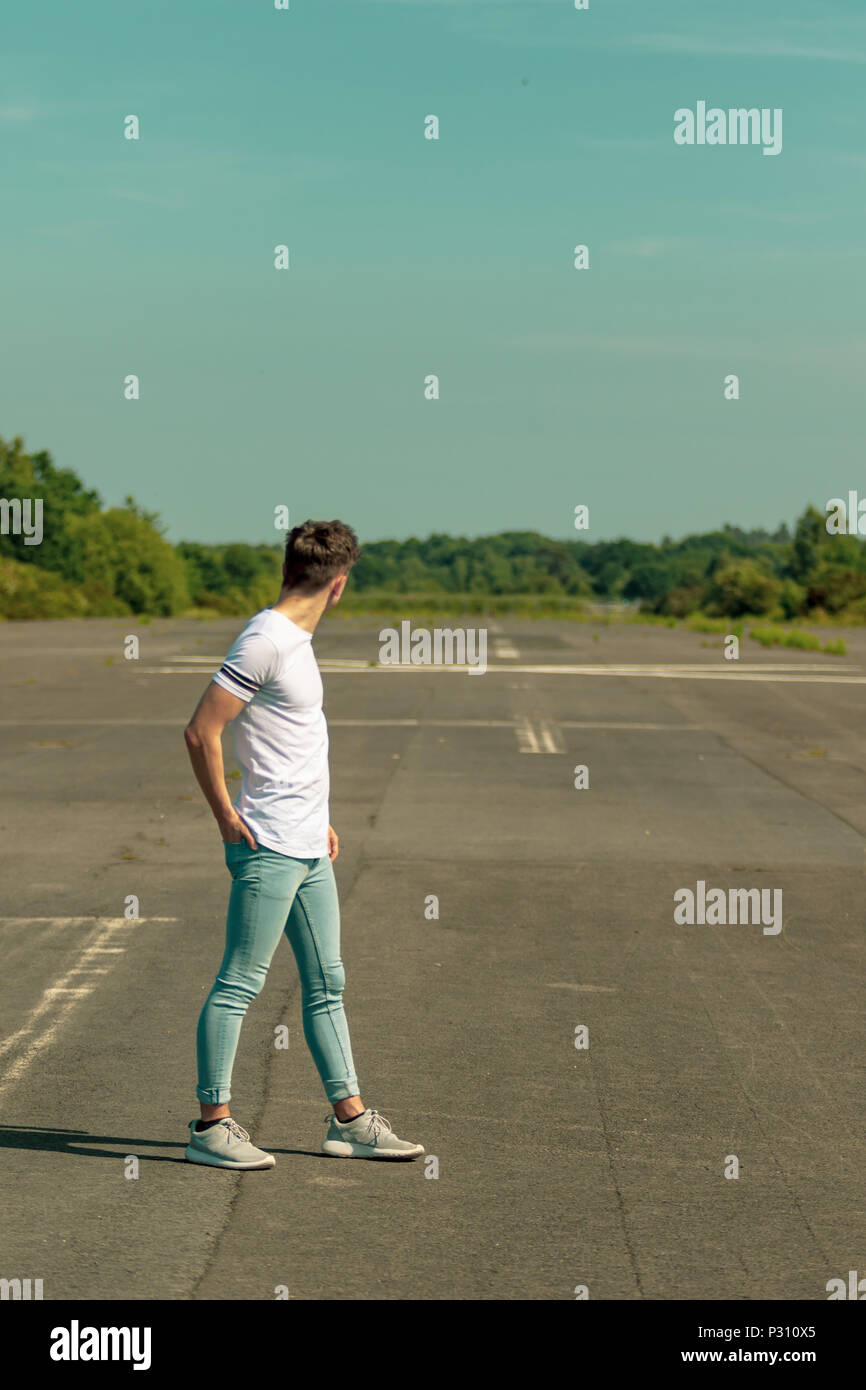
264	885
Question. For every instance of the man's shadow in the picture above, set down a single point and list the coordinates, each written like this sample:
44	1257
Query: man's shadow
82	1144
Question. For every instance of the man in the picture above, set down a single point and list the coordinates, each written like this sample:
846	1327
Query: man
279	850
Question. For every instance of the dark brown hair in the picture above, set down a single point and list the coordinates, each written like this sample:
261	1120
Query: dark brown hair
316	552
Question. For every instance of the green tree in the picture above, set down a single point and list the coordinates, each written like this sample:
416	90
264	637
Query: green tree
120	554
741	586
62	494
810	538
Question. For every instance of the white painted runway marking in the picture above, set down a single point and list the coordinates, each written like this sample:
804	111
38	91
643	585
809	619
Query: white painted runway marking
368	724
648	728
345	661
537	736
60	723
717	667
421	723
113	922
215	662
584	989
59	999
527	739
781	675
550	737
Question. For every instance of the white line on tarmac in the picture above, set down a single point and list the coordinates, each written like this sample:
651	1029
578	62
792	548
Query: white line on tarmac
215	662
537	735
786	675
332	723
687	673
584	989
505	642
649	728
355	724
61	723
527	738
421	723
715	666
550	737
59	999
114	923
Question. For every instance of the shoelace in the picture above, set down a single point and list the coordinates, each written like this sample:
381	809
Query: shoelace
376	1124
236	1130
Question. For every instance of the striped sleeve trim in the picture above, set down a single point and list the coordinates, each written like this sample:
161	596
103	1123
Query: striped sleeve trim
245	685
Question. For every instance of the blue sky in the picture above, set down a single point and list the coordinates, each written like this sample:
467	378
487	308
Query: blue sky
453	257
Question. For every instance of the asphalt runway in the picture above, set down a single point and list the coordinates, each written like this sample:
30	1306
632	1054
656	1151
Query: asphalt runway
557	1167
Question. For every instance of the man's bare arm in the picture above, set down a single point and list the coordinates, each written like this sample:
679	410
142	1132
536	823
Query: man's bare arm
203	735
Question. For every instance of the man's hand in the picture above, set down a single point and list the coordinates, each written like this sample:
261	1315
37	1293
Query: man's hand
233	830
333	844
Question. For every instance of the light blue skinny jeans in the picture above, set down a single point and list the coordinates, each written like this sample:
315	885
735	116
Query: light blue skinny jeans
273	893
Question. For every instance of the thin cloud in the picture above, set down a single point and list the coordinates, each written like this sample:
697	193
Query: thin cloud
846	357
614	142
778	215
652	246
740	48
152	199
18	113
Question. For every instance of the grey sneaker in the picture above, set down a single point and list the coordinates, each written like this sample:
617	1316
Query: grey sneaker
367	1136
225	1145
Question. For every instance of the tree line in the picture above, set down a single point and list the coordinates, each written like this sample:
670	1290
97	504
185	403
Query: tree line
102	561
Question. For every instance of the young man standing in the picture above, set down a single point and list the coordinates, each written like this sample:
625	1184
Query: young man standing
279	850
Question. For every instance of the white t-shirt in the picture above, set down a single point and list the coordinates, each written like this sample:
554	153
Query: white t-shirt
281	738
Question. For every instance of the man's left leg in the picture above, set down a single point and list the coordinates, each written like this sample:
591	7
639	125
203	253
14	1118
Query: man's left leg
313	930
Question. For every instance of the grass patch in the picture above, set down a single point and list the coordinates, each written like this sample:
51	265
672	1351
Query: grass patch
655	619
724	627
386	603
797	639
